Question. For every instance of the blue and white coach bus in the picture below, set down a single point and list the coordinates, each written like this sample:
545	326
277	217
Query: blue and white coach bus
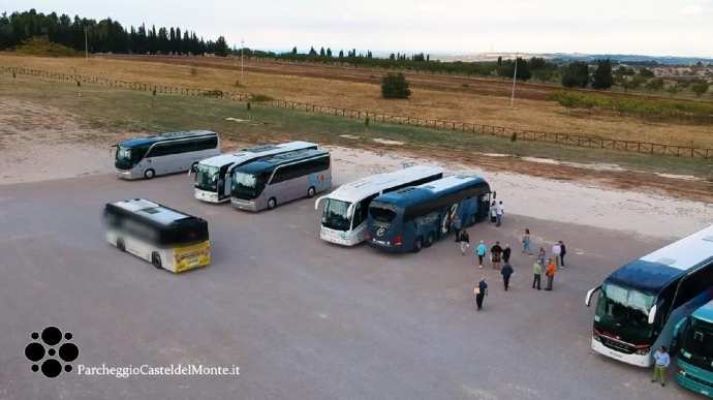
214	174
640	303
346	209
167	153
270	181
417	216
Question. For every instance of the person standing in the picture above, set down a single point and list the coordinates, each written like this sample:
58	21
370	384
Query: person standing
526	242
661	362
556	252
499	212
506	254
481	290
537	275
542	256
463	241
550	273
494	212
506	272
563	251
496	254
456	224
480	251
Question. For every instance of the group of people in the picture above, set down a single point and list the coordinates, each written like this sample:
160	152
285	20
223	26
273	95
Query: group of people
497	210
500	260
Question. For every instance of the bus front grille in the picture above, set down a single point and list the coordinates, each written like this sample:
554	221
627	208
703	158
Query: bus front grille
618	346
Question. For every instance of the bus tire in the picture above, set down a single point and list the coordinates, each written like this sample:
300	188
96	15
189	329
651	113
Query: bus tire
429	240
271	203
311	192
149	173
418	244
120	244
156	260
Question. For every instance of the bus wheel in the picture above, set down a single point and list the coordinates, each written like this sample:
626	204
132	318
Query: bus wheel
429	240
120	244
418	244
149	173
311	192
156	260
271	203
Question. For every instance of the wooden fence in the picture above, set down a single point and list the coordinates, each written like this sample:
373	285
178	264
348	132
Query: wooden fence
514	134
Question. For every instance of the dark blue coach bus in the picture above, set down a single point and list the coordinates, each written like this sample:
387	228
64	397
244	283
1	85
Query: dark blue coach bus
415	217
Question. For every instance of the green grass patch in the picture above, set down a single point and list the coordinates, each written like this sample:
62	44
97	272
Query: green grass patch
40	46
647	108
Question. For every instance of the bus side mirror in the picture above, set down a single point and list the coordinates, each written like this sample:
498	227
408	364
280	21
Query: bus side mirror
652	314
590	293
316	202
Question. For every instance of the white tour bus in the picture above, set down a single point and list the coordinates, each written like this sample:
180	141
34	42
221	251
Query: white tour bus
167	153
274	180
213	175
169	239
640	303
346	209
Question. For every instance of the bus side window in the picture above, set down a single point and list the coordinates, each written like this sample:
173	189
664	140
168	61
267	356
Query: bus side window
694	285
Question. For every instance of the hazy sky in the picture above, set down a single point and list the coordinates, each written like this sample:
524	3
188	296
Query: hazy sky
652	27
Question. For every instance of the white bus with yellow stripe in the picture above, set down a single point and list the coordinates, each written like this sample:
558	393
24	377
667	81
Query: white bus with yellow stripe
167	238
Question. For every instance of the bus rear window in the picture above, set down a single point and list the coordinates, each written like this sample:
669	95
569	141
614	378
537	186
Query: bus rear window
382	214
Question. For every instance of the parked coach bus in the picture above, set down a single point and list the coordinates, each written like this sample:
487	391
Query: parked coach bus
346	209
167	153
169	239
694	364
213	175
640	303
417	216
267	182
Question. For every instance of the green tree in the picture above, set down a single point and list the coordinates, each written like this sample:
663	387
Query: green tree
602	77
395	86
294	51
575	74
646	73
655	84
221	47
524	72
700	87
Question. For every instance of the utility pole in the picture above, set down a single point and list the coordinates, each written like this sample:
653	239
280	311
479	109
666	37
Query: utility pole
86	45
514	80
242	47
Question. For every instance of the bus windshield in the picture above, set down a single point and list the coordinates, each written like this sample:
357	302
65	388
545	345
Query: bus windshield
207	177
382	213
624	312
698	344
127	158
248	186
335	215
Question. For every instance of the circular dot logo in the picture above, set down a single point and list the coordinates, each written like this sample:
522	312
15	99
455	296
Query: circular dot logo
51	345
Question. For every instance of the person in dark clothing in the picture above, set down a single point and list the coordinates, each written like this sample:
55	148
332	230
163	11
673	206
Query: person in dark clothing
506	254
481	290
563	251
496	254
506	272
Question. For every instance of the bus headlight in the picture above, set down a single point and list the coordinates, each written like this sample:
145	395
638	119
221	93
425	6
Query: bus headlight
642	350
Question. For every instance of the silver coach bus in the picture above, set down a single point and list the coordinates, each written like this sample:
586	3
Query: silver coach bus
166	153
267	182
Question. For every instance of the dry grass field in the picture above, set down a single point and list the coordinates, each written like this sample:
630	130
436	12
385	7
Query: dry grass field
434	97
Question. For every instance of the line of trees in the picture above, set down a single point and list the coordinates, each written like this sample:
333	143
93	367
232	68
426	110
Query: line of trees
103	36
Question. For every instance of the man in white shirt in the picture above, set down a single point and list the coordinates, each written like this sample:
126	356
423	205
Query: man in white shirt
661	363
556	251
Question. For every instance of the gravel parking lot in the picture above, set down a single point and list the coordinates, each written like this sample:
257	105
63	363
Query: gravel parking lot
301	318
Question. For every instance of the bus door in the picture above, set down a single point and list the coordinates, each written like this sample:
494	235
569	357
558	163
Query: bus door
224	182
483	206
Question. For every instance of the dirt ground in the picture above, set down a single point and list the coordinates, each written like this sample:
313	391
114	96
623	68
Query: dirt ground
43	143
439	97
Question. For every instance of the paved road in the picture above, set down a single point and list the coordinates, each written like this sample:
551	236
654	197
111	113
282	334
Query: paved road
302	319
